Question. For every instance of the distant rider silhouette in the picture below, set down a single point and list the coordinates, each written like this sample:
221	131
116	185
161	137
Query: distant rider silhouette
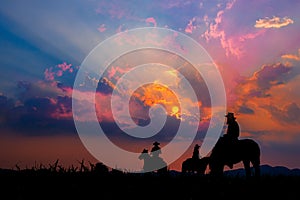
155	151
196	152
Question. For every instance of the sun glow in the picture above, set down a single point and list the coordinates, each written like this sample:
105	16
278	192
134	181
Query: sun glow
175	112
175	109
159	94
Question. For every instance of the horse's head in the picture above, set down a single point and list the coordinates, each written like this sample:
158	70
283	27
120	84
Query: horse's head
143	154
145	151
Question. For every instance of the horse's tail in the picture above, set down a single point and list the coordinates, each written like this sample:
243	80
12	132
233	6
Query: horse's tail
255	150
255	154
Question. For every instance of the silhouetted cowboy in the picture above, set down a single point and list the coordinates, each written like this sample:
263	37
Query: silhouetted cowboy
155	151
232	134
196	152
233	129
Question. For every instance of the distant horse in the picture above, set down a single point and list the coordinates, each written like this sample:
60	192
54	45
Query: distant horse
195	165
227	153
154	164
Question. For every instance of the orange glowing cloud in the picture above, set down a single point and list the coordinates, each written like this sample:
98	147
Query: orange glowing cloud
152	94
292	56
267	105
274	22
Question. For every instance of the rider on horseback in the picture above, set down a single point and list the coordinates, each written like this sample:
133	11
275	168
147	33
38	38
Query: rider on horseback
233	129
196	152
155	151
232	134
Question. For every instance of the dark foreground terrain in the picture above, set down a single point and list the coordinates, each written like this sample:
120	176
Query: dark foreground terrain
116	185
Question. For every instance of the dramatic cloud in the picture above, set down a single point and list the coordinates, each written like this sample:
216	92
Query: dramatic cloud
26	90
215	31
39	116
222	27
289	114
267	103
245	110
259	84
274	22
260	69
270	75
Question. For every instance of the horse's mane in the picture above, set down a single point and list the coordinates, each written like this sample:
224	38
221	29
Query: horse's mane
219	146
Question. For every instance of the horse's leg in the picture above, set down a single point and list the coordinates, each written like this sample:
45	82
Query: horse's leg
256	166
247	168
183	169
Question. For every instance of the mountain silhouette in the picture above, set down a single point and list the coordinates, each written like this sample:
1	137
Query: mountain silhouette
266	170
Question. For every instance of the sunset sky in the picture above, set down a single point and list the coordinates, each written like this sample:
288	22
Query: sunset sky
255	45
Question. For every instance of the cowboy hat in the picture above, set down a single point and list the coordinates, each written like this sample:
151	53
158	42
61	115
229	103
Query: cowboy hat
230	115
156	143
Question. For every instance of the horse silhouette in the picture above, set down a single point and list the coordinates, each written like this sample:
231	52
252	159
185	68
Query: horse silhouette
243	150
153	163
192	165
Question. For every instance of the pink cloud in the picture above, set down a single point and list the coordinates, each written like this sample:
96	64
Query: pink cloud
151	20
190	27
233	44
114	70
62	111
64	66
102	28
215	31
248	36
57	71
49	75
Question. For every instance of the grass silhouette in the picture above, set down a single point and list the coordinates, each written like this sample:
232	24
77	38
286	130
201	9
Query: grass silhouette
95	180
